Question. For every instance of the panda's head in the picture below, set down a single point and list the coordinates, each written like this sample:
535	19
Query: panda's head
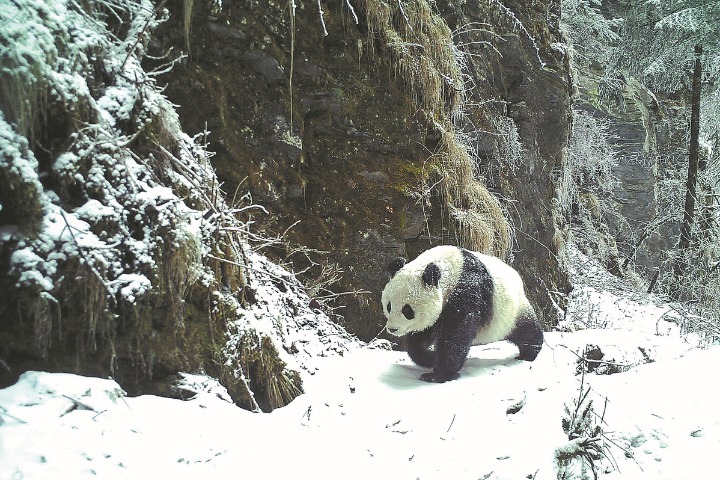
413	298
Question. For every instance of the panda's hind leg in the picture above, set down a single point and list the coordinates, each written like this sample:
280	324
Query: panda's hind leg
528	336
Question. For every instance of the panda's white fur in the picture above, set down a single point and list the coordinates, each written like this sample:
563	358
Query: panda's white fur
508	298
406	287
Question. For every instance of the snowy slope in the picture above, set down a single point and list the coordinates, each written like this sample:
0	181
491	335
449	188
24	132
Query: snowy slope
367	414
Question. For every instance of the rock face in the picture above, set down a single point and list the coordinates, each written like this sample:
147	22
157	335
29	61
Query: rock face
646	134
531	78
324	132
119	256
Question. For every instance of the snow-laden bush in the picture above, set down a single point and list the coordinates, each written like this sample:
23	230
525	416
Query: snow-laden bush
585	187
90	226
581	455
120	254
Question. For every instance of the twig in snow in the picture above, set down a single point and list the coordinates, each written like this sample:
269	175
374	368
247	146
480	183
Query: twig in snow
4	413
401	432
451	423
79	404
100	413
517	406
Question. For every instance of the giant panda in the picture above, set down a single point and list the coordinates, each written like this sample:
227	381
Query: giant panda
450	298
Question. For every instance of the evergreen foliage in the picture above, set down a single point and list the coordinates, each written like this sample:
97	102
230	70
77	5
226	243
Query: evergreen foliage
654	44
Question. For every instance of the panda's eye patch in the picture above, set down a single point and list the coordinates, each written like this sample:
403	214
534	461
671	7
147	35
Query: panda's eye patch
408	312
389	307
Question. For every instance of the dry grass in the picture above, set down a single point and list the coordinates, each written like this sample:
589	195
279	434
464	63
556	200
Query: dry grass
421	47
37	311
479	220
187	22
21	99
256	370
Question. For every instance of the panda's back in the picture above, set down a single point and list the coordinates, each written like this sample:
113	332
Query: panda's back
508	300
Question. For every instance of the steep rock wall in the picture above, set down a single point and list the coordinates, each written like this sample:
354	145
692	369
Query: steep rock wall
529	81
119	256
350	154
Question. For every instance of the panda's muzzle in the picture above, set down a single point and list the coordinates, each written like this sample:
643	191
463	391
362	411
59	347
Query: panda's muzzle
393	331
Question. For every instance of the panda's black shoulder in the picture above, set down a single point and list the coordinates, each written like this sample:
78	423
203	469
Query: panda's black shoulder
472	294
474	283
473	266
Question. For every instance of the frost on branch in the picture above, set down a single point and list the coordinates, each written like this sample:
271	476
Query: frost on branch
120	255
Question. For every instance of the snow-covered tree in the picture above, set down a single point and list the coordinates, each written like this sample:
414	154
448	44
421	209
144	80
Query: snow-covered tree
592	36
659	38
663	47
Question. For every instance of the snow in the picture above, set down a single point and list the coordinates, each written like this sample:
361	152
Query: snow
135	285
280	312
366	414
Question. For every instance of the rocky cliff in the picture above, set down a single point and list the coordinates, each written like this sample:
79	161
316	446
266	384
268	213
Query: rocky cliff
345	120
119	256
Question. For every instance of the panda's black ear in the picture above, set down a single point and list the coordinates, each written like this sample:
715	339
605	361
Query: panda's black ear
431	275
396	264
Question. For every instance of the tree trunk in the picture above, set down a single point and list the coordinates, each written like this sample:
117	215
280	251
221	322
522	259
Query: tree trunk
689	214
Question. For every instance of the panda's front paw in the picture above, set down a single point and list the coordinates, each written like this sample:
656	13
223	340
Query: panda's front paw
429	377
433	377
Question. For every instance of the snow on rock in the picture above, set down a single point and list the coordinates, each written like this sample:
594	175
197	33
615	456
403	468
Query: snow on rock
282	311
118	238
366	414
191	385
623	327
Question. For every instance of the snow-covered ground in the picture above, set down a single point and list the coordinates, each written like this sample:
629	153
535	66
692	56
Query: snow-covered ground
366	414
